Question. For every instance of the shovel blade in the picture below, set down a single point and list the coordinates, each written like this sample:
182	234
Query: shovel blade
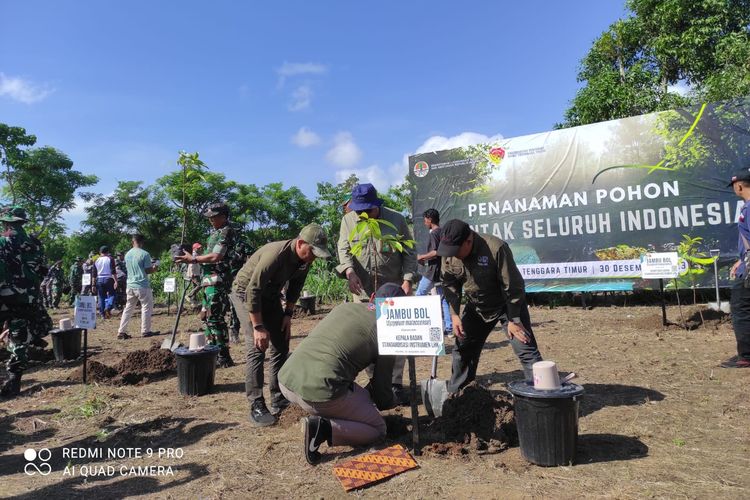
170	344
434	394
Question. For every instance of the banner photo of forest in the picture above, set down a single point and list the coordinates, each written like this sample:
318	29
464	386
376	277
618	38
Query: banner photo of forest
566	200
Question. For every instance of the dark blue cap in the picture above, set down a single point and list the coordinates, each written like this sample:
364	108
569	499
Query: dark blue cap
364	197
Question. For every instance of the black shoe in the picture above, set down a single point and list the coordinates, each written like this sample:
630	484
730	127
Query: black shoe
736	362
39	342
279	405
259	414
224	360
400	395
149	334
12	387
316	431
123	336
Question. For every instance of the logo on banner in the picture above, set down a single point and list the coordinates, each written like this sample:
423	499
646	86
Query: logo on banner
421	168
497	154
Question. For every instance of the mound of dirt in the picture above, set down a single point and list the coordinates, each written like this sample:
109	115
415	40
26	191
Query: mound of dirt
473	421
136	368
291	416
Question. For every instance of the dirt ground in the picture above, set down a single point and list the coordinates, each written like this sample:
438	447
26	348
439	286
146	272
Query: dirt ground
658	419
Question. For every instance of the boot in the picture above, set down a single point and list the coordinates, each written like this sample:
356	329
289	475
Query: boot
316	430
224	360
12	387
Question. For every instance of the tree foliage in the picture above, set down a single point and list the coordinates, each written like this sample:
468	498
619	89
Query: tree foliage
12	140
633	67
44	183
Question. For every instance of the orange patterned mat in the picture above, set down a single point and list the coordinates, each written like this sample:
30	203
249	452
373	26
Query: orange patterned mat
366	470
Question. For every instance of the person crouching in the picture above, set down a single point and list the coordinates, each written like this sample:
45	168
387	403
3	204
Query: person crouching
319	377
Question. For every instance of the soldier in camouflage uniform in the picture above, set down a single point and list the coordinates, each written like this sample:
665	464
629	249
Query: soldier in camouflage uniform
239	257
56	284
122	281
75	275
216	279
21	271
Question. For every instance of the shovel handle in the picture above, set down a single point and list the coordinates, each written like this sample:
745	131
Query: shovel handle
433	373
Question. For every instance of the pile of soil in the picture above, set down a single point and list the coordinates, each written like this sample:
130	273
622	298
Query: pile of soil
473	421
691	320
136	368
291	416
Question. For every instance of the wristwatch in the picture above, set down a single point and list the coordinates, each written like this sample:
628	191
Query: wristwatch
259	326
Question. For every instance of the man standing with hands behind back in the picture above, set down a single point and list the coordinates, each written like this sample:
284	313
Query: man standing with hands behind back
481	266
740	299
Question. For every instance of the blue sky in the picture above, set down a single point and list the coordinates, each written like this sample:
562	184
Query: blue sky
298	92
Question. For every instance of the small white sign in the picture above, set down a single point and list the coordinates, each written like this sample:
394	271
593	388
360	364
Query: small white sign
86	280
85	311
660	265
170	285
410	326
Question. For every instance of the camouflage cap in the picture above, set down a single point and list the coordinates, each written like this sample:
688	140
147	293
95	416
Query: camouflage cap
216	209
316	237
13	213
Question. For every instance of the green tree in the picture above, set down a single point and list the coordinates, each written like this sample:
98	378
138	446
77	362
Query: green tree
329	200
274	213
630	68
132	208
191	190
45	184
12	139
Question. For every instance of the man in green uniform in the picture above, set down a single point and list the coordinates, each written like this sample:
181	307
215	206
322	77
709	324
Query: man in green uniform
21	271
257	294
321	372
390	265
216	279
481	267
75	275
56	284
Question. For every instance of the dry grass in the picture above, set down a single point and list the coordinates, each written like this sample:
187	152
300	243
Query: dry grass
659	419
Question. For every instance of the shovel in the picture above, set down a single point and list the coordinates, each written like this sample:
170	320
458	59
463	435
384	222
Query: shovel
169	344
434	392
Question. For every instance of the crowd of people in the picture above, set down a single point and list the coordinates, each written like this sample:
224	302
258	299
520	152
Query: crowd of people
258	292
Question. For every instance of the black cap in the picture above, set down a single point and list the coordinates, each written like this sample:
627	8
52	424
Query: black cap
741	175
453	234
216	209
390	290
104	249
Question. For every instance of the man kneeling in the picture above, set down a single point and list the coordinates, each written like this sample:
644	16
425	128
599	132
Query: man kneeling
319	377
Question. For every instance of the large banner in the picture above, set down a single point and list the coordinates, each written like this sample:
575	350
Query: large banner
579	206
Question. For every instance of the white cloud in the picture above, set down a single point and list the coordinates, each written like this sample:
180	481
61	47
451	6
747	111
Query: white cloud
301	98
440	143
682	88
296	69
384	178
305	138
22	90
345	153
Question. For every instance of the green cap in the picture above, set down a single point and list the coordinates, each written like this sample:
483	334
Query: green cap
13	213
316	237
